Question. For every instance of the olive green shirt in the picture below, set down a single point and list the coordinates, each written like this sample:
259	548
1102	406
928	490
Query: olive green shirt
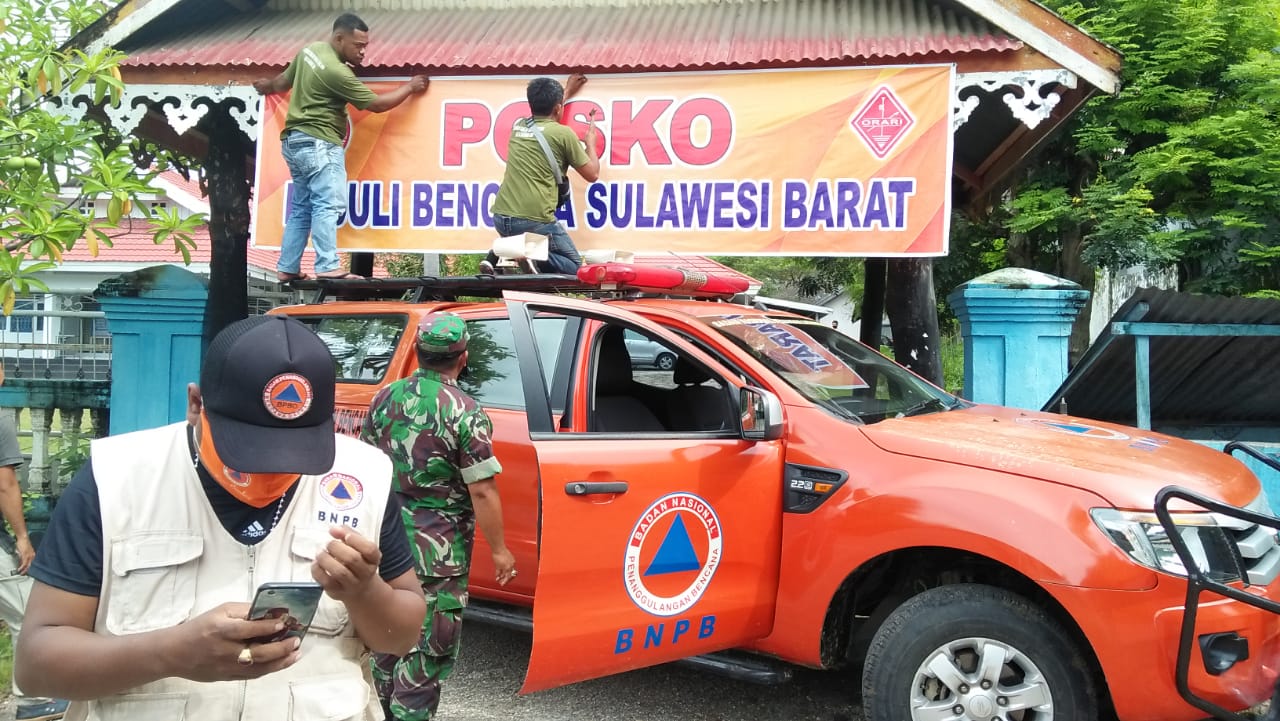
528	186
322	86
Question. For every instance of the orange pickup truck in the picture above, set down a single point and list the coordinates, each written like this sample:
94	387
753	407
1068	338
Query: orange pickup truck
784	491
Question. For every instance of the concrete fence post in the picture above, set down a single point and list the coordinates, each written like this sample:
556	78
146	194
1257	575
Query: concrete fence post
1016	326
156	319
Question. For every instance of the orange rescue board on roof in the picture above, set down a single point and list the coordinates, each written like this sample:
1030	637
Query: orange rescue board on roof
836	161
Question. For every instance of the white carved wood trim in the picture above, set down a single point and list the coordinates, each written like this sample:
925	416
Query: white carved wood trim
1031	95
183	106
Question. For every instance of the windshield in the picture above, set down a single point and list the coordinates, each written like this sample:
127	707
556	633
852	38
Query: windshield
362	345
833	370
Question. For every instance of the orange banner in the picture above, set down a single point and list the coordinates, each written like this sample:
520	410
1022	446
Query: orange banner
841	161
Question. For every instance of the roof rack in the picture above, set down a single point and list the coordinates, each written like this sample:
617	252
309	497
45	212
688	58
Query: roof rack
439	288
612	280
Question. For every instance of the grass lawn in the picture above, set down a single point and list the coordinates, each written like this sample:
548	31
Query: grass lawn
6	661
951	352
24	427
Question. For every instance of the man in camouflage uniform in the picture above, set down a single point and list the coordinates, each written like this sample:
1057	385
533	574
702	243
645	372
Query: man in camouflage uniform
438	439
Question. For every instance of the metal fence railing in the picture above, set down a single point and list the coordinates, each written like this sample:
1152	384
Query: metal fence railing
56	337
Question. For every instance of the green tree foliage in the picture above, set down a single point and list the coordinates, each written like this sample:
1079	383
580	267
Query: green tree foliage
401	265
801	277
1181	167
45	153
412	265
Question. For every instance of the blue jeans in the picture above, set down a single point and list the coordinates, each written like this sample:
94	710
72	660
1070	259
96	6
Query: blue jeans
562	255
319	199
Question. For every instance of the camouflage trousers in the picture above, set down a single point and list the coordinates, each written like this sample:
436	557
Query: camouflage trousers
409	685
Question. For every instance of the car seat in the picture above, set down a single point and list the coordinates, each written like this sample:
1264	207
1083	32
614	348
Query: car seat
618	407
694	406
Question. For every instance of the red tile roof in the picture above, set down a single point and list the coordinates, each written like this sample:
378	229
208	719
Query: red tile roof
137	246
495	36
192	186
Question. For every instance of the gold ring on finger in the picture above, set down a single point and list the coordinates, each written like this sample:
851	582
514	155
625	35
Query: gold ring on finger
246	657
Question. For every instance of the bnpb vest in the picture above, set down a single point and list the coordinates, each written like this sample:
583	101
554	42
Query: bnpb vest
166	558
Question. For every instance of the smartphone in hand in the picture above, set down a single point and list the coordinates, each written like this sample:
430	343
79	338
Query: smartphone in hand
292	602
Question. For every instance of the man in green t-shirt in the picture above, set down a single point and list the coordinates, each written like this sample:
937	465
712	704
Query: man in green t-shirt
312	142
528	197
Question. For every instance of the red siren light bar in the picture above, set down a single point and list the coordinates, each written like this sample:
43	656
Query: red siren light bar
654	279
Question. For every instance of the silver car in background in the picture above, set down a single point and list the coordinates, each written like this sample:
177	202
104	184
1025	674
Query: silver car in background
646	353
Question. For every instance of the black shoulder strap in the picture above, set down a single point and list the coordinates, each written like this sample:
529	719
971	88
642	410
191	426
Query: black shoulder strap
537	134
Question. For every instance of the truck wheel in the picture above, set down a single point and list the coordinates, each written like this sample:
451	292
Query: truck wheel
975	653
665	361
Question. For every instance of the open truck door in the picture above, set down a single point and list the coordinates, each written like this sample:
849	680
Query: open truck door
655	544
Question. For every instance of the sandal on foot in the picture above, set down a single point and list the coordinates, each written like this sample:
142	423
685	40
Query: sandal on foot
282	277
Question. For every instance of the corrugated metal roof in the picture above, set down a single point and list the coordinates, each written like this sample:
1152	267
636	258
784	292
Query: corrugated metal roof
1211	380
495	36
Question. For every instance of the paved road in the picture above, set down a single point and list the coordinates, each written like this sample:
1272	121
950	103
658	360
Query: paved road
483	688
484	684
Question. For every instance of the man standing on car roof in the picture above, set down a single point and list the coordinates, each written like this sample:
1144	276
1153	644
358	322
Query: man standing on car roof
528	197
313	139
438	439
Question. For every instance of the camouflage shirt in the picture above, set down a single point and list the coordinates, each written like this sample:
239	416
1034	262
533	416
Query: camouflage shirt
439	441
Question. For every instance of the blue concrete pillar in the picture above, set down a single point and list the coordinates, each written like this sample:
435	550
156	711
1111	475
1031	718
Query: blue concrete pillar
1016	324
156	319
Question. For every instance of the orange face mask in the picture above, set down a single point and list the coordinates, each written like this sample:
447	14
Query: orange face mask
256	489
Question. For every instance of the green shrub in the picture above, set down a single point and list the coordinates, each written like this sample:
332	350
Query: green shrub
6	660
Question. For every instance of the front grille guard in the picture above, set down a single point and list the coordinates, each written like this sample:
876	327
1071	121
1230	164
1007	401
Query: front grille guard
1249	450
1198	583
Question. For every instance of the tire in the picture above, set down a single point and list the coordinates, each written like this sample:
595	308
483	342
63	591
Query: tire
665	361
954	629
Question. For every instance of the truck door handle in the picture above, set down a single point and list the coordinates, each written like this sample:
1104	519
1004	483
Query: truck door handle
587	488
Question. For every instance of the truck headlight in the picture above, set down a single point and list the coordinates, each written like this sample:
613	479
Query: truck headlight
1140	535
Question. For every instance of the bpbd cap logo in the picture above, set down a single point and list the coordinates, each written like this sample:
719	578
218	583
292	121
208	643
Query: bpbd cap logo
672	554
287	396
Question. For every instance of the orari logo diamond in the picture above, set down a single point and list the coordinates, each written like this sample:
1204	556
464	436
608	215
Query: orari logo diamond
882	122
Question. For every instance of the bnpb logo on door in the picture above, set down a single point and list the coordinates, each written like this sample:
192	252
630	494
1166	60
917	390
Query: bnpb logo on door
672	554
671	557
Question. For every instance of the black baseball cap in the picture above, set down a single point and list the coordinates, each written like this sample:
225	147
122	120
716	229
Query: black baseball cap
268	384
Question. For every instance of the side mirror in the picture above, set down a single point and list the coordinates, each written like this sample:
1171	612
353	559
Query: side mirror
760	414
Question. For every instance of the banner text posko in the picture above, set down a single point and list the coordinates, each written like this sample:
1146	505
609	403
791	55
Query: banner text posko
846	161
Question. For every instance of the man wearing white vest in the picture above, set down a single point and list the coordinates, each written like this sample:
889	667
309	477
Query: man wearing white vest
158	544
